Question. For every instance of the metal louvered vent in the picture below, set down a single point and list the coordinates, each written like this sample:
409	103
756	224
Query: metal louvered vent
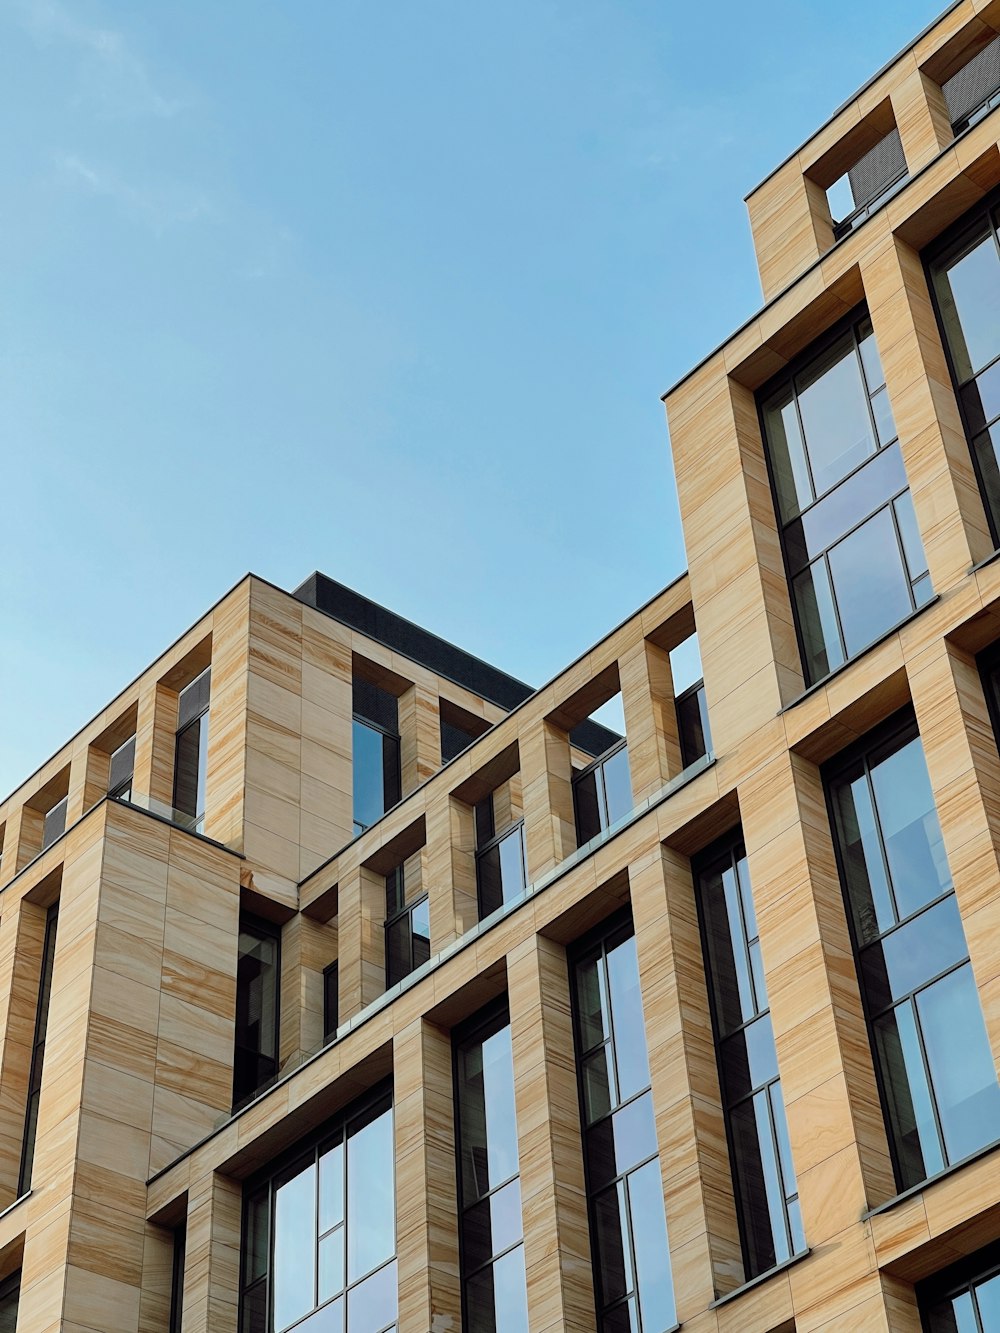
973	86
122	766
879	167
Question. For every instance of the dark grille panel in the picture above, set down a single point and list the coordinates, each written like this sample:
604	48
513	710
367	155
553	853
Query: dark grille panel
971	86
878	168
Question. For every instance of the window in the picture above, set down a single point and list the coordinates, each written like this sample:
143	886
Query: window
965	279
965	1298
939	1089
689	700
854	556
628	1229
54	823
375	733
494	1296
974	91
319	1232
255	1061
767	1199
176	1280
331	1001
120	771
191	750
10	1293
407	929
602	793
38	1050
501	869
872	180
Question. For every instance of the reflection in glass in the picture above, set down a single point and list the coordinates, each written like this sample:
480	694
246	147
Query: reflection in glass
495	1295
319	1234
255	1059
191	749
854	555
628	1223
407	928
501	869
764	1176
602	794
938	1084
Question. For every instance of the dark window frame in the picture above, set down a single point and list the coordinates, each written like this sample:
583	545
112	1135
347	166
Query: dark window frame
36	1071
787	377
482	1025
985	211
596	768
196	817
404	910
396	772
368	1107
515	826
961	1276
731	844
695	690
331	1012
891	735
263	929
177	1278
122	789
11	1286
601	940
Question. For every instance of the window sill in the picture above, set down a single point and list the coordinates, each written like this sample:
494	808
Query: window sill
931	1180
993	556
870	648
760	1279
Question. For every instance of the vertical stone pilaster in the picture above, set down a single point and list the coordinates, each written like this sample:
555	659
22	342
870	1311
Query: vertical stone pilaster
212	1255
420	735
360	940
155	730
553	1196
654	752
547	786
426	1191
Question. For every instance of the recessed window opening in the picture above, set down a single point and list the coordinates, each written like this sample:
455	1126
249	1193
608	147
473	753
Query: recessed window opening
191	750
38	1050
54	822
852	548
407	922
602	791
258	972
873	179
501	864
689	700
974	91
377	776
121	770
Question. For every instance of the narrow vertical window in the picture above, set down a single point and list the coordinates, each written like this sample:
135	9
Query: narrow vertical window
854	557
689	701
965	1298
191	750
331	1001
319	1232
939	1088
376	757
407	928
764	1176
494	1295
38	1050
965	280
633	1282
176	1280
602	793
501	868
255	1061
10	1294
120	771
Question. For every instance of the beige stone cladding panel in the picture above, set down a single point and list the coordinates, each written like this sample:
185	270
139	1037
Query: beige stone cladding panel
547	795
226	771
426	1197
22	932
420	735
705	1253
654	752
212	1254
553	1195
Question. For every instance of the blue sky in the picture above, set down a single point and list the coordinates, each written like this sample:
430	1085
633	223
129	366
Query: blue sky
389	290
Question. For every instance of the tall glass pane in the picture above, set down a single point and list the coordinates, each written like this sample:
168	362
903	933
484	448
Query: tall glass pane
294	1276
968	291
833	403
368	777
628	1223
371	1196
869	582
255	1060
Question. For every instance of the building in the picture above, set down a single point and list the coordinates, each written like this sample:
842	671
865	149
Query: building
346	983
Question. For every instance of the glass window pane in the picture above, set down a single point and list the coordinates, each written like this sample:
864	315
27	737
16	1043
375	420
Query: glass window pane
911	955
598	1091
833	403
870	584
969	295
618	785
331	1264
620	1141
748	1059
368	778
254	1306
911	833
988	1300
591	1006
371	1216
489	881
587	807
904	1079
255	1242
780	1122
497	1299
987	450
962	1073
189	768
846	505
692	725
913	547
885	426
488	1123
256	1048
817	621
729	971
490	1227
791	473
614	1250
622	1319
372	1304
758	1185
331	1188
869	356
512	864
631	1060
420	924
861	851
397	950
685	664
953	1316
294	1279
652	1255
